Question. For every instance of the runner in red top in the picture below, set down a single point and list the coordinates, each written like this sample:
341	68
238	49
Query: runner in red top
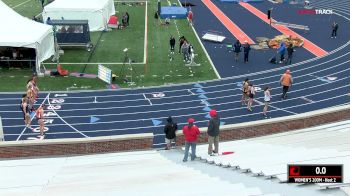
190	17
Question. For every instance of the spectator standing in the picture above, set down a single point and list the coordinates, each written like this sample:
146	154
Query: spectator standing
282	51
213	133
245	88
246	49
48	21
170	132
181	41
286	81
334	30
267	98
290	51
185	51
124	20
191	133
172	44
237	48
127	18
251	91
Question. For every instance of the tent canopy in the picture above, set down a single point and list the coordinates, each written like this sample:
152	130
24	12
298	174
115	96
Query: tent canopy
19	31
97	12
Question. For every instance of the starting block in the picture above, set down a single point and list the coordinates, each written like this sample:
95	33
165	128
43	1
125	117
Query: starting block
214	37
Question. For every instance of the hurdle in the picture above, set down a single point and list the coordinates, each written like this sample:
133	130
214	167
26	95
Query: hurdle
2	138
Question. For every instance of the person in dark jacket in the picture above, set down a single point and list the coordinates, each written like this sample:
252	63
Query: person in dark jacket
172	44
181	41
237	47
213	133
246	49
290	51
170	132
127	18
191	133
334	30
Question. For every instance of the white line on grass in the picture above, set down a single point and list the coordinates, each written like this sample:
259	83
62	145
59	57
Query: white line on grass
135	1
205	51
146	37
139	63
20	135
147	99
177	29
63	119
20	4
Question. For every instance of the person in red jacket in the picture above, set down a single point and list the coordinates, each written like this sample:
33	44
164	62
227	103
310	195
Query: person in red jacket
191	133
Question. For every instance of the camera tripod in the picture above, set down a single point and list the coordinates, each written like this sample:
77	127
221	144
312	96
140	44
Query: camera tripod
124	70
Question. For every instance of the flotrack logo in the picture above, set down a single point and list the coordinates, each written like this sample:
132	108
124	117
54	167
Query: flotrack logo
316	11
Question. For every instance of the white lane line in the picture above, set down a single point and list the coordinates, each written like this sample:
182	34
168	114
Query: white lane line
205	50
138	128
306	99
210	92
145	50
195	100
277	108
20	135
106	63
232	95
158	144
203	113
38	15
52	108
177	29
20	4
192	93
150	103
226	79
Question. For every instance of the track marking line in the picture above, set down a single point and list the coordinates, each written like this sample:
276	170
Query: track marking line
227	22
31	119
150	103
192	93
177	29
308	45
204	49
20	4
211	92
306	99
65	122
145	47
138	63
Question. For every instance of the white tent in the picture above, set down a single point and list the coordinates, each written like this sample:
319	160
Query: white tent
97	12
19	31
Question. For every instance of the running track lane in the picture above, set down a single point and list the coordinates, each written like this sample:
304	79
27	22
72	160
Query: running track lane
227	22
308	45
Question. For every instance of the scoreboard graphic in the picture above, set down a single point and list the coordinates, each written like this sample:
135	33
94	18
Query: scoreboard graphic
315	173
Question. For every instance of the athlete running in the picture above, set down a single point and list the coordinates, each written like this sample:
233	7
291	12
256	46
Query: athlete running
40	117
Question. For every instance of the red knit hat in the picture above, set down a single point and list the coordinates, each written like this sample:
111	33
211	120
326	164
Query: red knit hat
212	113
190	120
